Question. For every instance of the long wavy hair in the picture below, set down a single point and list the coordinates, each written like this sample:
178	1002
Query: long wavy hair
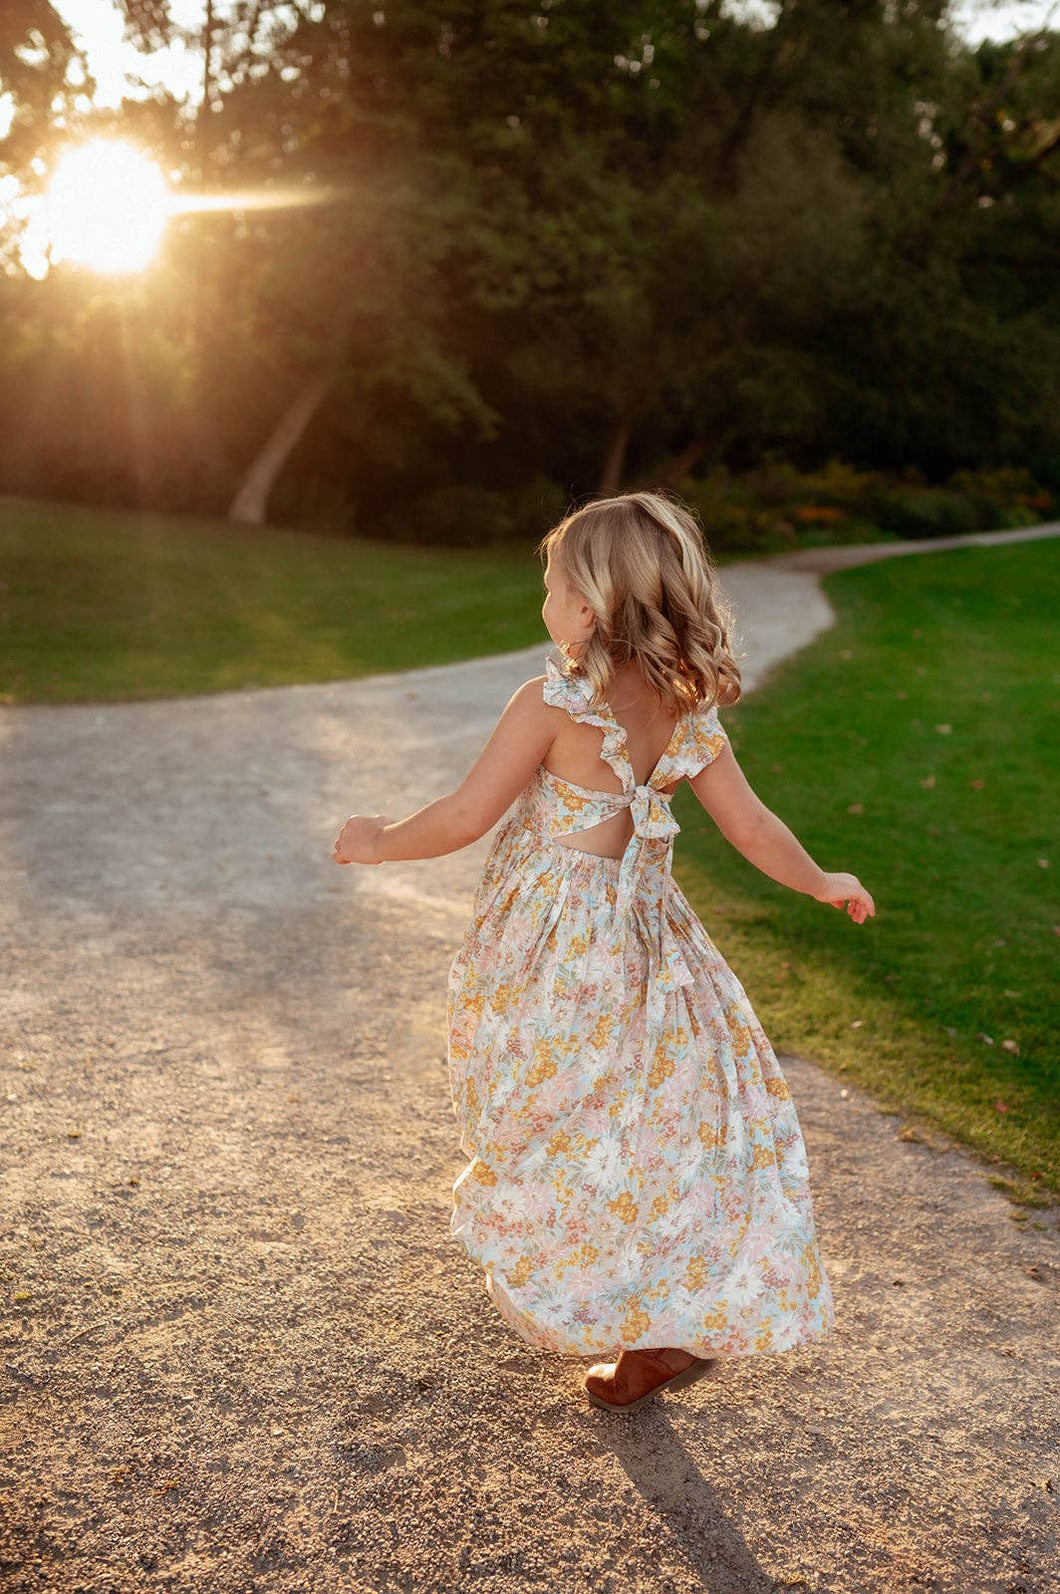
641	563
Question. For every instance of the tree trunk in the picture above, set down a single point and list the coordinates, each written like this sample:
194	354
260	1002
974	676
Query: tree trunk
252	499
207	52
615	458
671	473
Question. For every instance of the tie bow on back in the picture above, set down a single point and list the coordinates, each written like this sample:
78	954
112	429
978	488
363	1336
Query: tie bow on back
650	812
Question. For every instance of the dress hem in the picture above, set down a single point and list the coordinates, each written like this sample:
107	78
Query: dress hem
509	1315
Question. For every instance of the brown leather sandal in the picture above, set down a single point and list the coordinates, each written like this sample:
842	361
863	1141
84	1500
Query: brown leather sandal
607	1379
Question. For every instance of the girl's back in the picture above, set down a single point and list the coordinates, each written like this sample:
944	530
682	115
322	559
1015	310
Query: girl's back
575	756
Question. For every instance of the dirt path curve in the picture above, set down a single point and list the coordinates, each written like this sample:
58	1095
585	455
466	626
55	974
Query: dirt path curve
241	1350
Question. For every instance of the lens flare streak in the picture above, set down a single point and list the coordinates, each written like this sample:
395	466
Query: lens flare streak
261	199
108	205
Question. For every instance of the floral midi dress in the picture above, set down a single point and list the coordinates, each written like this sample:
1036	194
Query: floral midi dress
638	1177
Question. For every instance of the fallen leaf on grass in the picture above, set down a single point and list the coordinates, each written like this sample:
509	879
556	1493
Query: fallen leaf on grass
1001	1106
944	730
1011	1046
977	785
928	782
988	1040
855	808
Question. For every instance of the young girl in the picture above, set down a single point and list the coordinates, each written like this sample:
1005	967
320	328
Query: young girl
638	1178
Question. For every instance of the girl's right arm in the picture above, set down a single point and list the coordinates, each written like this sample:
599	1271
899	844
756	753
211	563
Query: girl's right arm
518	744
765	840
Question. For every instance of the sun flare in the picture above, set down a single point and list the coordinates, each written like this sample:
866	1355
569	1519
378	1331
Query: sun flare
107	207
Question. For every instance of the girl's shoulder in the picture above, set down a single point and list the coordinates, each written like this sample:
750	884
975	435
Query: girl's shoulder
530	697
528	707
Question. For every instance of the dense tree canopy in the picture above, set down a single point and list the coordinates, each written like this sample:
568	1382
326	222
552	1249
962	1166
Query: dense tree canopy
479	257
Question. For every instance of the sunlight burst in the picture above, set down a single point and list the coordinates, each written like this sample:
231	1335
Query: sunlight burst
107	207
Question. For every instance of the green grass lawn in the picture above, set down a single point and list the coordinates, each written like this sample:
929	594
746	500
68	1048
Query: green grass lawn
100	605
914	745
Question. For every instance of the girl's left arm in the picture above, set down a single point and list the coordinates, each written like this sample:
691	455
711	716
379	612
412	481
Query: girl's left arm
518	744
767	842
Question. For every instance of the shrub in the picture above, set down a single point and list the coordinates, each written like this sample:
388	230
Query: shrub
460	514
467	514
818	513
731	521
923	512
536	506
840	485
1005	497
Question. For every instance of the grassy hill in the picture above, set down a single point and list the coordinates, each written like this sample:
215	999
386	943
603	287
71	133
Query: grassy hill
104	605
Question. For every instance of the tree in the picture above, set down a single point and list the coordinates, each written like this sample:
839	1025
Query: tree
42	76
437	246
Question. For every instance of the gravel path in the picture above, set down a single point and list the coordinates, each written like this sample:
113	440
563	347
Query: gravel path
242	1351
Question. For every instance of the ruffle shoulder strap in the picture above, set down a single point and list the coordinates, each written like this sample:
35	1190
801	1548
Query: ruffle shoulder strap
572	692
699	740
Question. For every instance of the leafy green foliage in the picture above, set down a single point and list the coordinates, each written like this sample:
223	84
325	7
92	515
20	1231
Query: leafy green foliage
603	244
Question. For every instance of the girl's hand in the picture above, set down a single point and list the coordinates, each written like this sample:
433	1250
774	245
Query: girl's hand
358	840
840	888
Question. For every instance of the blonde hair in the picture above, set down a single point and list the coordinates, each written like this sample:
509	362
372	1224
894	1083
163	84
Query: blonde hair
640	561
